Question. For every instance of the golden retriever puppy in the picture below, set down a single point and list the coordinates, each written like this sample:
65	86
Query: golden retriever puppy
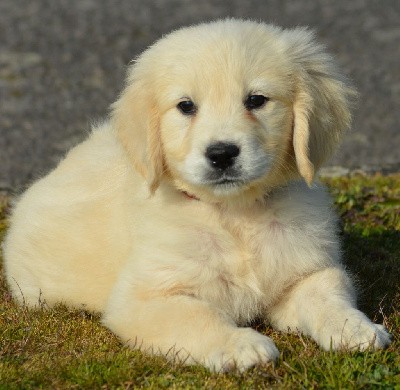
192	210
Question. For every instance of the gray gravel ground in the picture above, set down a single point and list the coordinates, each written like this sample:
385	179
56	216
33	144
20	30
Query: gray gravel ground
62	62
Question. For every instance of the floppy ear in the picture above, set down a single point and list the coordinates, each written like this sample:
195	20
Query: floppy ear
136	118
321	109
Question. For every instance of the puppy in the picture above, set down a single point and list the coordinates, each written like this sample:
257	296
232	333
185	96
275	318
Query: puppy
191	210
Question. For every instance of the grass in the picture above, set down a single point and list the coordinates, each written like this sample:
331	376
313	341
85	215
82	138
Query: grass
69	349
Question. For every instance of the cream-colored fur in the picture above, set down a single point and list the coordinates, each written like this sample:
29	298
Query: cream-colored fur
113	229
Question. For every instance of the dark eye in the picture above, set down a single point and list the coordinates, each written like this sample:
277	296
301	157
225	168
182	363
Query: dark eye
255	101
187	107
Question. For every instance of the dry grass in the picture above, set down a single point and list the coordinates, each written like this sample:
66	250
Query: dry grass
61	348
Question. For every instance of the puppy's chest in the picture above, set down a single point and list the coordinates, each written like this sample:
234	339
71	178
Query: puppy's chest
243	245
235	270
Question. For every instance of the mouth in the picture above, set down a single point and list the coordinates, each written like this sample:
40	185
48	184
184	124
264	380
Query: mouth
219	176
227	182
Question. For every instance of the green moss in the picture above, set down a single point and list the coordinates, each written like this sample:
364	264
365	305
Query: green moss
63	348
368	205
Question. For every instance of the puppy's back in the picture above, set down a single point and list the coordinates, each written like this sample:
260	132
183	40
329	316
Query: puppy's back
68	231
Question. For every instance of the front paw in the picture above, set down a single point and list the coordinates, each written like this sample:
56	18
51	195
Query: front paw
245	348
354	332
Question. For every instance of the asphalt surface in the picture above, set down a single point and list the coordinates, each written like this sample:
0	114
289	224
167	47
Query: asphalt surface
62	63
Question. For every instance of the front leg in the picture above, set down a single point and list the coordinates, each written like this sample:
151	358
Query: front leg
323	307
185	327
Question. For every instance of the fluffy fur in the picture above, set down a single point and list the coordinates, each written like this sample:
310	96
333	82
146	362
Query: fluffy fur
112	228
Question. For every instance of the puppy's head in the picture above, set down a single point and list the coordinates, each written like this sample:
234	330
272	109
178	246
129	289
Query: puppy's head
232	108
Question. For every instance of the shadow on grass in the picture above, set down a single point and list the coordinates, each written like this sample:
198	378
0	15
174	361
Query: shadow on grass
373	258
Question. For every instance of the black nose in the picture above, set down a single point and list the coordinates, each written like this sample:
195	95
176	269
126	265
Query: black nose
221	155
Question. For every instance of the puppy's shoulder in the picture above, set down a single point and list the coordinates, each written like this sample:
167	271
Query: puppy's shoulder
299	191
298	201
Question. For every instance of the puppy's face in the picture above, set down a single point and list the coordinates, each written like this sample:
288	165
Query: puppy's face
226	123
232	108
